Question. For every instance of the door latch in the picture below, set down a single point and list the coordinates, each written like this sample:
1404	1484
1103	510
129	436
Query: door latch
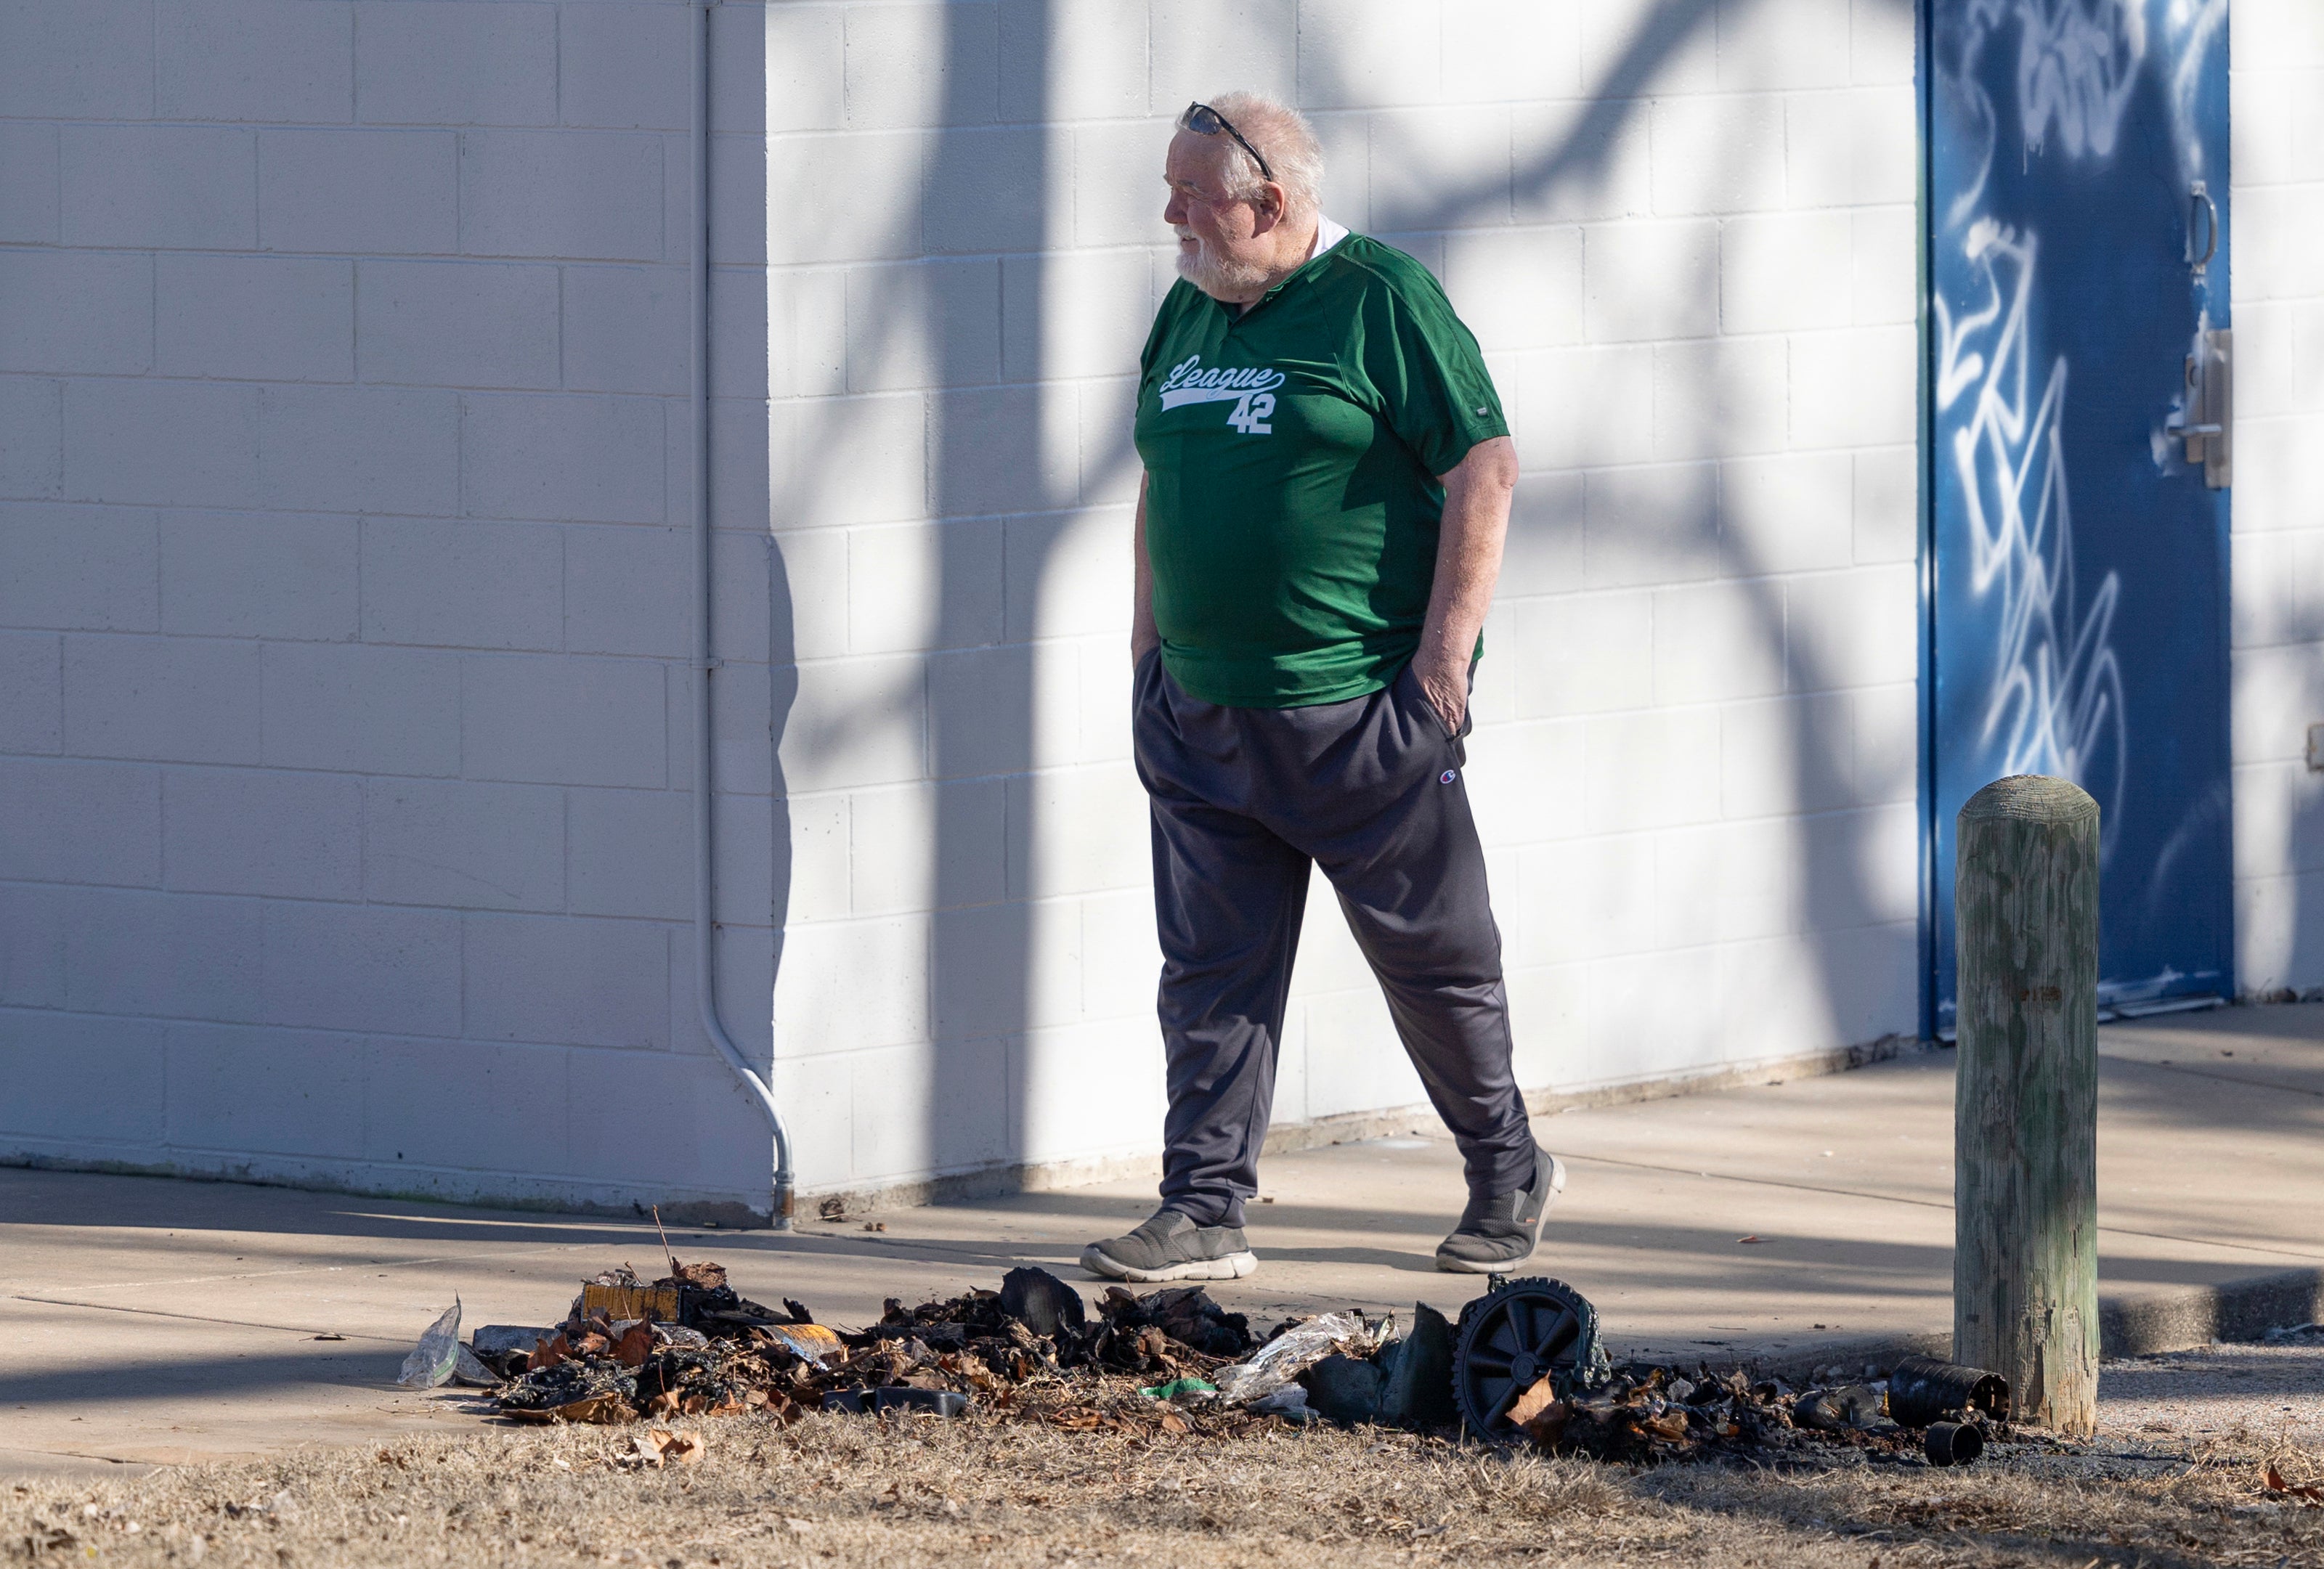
2207	426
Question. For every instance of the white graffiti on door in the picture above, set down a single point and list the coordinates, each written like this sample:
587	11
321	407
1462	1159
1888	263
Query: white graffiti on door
2078	63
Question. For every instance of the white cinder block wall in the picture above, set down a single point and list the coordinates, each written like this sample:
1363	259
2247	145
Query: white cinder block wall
344	357
1685	234
2278	580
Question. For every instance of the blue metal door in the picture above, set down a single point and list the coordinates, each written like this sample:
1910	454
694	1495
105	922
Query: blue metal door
2078	450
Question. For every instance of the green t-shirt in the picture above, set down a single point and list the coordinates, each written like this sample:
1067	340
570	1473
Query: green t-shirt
1291	455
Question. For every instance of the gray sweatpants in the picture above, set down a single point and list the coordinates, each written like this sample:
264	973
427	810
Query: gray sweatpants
1244	801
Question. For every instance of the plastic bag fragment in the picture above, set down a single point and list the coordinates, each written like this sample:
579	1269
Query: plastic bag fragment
437	1355
1293	1353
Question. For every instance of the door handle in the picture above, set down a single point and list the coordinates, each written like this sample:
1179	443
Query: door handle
2200	202
2206	426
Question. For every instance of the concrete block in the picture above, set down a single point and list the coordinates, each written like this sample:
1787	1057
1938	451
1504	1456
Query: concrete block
463	584
1511	50
853	460
1887	266
1853	629
846	986
292	836
1650	525
1366	1066
1718	155
2279	819
31	437
1548	1007
254	318
1106	44
805	67
858	182
595	195
1117	194
627	591
1584	899
2274	596
1851	148
626	329
259	574
333	449
361	710
1110	469
1518	289
745	977
927	847
409	1118
1888	504
630	852
1855	388
1584	653
742	588
565	981
923	324
1346	137
1794	512
1121	959
1862	867
74	312
1082	1089
1785	756
340	967
564	721
94	1083
2272	488
78	568
2275	694
1650	770
1883	42
1085	829
979	713
1081	693
280	1092
254	60
182	700
1720	396
1417	155
1651	281
1778	271
913	65
571	459
987	189
626	66
740	189
458	323
1650	1015
1006	968
91	60
441	62
1582	160
1716	641
638	1117
925	586
31	692
74	822
817	841
1804	45
1075	313
1201	47
1887	743
806	333
1585	407
1640	48
991	452
464	844
176	954
174	187
179	443
1375	54
928	1108
368	192
855	721
1525	780
32	945
744	712
1068	573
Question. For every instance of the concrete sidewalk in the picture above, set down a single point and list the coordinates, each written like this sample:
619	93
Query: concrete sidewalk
150	1321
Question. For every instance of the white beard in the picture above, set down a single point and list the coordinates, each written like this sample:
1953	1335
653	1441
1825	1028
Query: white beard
1213	273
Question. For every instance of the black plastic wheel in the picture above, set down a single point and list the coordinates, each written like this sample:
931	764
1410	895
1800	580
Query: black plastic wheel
1512	1337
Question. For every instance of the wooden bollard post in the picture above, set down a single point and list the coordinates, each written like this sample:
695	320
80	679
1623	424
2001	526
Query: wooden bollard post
2025	912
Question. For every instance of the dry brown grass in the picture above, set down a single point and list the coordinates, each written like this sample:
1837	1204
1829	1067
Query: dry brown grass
836	1490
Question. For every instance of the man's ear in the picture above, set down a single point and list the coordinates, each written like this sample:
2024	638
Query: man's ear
1268	210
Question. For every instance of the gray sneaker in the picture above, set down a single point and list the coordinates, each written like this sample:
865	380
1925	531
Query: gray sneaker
1498	1232
1169	1246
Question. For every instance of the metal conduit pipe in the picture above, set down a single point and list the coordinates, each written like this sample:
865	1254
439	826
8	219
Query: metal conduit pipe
706	971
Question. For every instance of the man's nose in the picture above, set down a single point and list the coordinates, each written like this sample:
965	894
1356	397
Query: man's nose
1173	211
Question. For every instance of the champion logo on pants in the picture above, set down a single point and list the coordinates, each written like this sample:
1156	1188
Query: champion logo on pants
1446	777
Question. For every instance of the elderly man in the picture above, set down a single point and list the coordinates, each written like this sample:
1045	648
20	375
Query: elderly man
1327	486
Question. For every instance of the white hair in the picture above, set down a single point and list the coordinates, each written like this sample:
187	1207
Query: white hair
1284	139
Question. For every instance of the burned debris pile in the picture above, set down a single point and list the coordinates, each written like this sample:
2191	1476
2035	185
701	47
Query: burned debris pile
1523	1367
